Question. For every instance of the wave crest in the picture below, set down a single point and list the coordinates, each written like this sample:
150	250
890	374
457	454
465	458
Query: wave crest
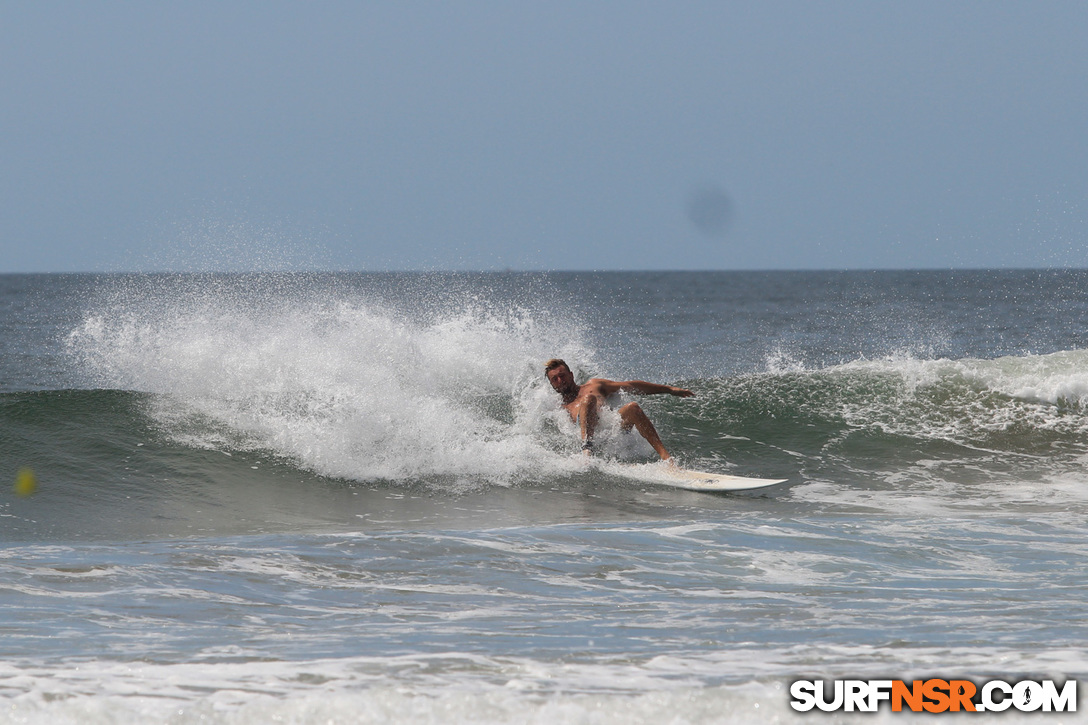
342	385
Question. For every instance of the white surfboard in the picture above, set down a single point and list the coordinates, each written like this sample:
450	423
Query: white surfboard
687	479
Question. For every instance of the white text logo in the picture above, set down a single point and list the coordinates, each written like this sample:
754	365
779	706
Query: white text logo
933	695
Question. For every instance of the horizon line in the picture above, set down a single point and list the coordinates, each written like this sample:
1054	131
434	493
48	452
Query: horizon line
512	270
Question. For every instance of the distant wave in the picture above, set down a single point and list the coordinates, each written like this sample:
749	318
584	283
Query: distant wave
968	401
1019	415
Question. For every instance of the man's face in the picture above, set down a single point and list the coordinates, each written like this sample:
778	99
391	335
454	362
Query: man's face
561	378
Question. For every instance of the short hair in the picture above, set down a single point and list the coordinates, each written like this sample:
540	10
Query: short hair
553	364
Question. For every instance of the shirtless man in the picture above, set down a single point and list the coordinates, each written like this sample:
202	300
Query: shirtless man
583	401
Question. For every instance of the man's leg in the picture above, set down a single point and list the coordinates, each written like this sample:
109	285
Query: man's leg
587	421
631	415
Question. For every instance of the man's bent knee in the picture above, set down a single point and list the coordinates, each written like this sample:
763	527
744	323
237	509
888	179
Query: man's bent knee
630	414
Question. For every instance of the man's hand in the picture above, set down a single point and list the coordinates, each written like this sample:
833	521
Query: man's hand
681	392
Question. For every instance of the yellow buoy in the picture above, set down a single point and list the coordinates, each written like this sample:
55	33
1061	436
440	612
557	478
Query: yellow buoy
25	482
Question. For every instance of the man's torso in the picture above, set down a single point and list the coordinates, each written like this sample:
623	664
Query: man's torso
596	387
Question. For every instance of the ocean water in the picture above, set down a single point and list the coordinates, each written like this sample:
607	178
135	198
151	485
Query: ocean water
348	498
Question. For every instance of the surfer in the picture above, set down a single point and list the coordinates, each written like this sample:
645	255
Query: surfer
584	401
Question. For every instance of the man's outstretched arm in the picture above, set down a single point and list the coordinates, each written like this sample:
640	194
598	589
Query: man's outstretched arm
641	387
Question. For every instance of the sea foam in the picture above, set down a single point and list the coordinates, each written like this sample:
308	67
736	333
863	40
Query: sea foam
334	380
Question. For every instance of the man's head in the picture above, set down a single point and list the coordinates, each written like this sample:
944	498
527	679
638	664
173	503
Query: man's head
559	375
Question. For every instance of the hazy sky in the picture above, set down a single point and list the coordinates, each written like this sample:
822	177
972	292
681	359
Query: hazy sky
542	135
